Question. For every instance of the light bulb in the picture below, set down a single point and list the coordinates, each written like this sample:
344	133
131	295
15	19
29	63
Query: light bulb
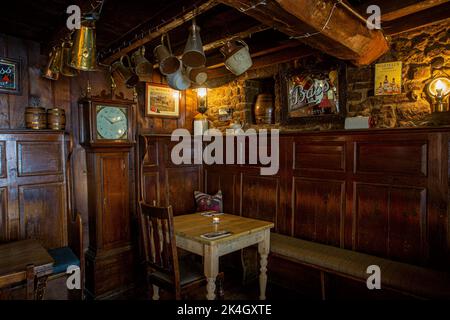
440	85
201	92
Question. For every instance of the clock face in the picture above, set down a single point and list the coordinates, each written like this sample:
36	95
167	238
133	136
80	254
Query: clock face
112	123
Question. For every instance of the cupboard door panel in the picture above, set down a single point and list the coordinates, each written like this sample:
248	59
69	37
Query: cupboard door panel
318	209
43	214
115	214
39	158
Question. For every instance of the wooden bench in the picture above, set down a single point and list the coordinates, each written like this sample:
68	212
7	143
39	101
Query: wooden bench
412	280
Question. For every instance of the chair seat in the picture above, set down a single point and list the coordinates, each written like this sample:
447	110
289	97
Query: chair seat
64	257
190	271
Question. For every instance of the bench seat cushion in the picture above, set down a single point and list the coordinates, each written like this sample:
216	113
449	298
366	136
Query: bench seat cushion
415	280
64	257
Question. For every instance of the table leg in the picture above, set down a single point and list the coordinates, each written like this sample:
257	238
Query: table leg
263	250
211	269
41	285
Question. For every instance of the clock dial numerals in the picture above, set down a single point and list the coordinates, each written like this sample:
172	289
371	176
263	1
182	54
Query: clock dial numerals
112	123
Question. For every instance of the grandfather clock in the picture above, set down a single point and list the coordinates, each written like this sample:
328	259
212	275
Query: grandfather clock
107	134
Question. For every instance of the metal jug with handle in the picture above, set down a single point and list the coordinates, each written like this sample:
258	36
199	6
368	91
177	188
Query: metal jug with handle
193	54
168	63
237	56
142	66
179	80
125	71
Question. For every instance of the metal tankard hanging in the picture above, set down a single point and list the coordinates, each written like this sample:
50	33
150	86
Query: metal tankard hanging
84	52
193	55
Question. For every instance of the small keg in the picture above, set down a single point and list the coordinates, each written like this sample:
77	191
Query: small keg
56	119
35	118
264	109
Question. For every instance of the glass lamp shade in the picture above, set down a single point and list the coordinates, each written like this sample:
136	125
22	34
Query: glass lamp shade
439	87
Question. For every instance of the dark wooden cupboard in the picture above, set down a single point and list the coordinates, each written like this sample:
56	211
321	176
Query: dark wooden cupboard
34	194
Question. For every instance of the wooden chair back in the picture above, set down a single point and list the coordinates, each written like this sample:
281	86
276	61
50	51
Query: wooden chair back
77	246
9	280
159	241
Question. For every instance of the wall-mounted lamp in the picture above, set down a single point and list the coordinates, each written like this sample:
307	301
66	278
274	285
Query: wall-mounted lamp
439	89
201	123
202	100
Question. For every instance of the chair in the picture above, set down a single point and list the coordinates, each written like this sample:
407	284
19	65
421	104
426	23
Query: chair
162	266
10	280
73	255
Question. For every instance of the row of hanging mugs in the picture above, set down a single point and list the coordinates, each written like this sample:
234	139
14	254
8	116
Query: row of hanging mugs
180	73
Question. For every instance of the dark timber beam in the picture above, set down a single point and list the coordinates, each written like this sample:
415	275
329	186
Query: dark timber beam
163	29
345	37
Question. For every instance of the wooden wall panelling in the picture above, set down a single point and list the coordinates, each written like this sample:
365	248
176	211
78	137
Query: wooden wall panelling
3	213
35	199
43	213
4	102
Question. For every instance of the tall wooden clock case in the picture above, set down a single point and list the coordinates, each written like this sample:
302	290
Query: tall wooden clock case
107	133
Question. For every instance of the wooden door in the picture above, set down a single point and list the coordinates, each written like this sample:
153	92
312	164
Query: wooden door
114	215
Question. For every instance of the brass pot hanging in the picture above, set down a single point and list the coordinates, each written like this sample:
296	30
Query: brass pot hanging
53	67
66	69
84	53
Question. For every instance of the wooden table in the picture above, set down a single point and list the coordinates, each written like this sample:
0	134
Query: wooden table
15	256
245	232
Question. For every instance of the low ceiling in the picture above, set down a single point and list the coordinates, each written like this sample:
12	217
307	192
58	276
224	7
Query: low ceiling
122	21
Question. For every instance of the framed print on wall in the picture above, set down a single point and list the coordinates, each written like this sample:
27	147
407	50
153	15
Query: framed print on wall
388	78
313	95
10	76
161	101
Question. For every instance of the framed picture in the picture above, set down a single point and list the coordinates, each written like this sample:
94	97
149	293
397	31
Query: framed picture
388	78
10	72
161	101
312	95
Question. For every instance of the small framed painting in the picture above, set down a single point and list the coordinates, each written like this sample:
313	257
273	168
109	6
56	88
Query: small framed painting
388	78
161	101
10	76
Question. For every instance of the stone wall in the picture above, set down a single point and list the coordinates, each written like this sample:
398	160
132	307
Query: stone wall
421	51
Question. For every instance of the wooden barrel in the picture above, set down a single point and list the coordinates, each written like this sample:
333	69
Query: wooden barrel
56	119
264	109
35	118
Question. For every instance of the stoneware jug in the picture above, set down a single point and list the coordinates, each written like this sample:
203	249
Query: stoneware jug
237	56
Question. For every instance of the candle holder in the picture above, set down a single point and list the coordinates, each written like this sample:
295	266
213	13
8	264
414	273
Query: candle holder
216	220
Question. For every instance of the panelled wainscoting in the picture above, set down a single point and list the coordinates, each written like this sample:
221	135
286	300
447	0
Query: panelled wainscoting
382	192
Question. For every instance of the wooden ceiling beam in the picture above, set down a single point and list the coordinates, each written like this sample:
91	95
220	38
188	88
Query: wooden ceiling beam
393	10
189	15
420	19
345	36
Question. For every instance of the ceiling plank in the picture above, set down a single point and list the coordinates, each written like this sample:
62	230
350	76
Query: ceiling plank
392	10
189	15
345	36
421	19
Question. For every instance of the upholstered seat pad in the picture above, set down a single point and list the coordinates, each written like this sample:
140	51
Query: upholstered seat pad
190	271
401	276
64	257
